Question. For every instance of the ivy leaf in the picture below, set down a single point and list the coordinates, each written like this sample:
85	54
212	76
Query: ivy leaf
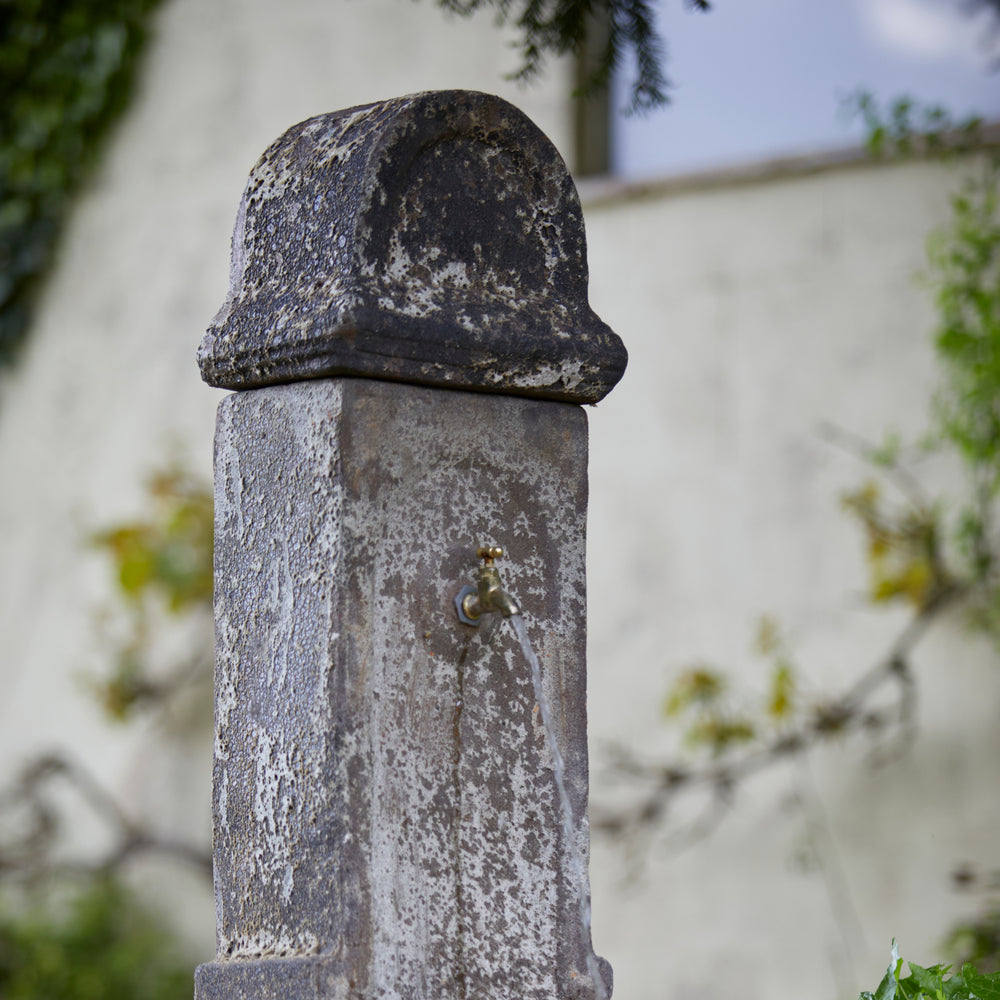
982	987
887	988
932	983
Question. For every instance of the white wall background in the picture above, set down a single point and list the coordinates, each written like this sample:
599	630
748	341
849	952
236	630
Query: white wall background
753	310
754	313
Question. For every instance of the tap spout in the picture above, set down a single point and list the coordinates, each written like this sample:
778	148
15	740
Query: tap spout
488	595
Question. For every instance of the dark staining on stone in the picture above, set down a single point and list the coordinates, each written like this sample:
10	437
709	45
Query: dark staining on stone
435	239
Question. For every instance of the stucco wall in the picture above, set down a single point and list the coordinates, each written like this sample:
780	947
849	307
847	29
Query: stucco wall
752	311
755	314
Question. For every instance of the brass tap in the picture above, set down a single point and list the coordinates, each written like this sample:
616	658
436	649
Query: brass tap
487	596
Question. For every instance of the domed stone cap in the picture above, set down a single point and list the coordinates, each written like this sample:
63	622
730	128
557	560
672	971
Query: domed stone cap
435	239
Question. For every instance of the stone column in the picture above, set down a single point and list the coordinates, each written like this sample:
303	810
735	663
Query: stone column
408	328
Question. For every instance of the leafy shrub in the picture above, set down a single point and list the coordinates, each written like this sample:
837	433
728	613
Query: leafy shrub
936	983
66	68
99	943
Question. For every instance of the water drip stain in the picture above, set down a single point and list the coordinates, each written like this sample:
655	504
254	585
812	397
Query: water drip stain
569	825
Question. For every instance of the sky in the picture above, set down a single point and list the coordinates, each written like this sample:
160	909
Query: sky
754	79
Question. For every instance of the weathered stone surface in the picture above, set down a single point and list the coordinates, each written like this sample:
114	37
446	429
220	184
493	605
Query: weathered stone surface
435	239
386	821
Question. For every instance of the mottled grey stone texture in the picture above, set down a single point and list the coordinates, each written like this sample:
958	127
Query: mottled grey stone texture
434	239
386	821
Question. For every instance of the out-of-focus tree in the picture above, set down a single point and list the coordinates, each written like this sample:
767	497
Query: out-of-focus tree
70	926
66	70
103	945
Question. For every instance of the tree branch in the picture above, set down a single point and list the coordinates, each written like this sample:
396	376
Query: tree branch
31	855
664	783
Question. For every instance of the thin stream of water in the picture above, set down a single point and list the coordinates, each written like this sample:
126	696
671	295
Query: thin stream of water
566	809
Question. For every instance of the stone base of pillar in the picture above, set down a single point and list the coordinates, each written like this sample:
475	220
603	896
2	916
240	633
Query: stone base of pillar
274	979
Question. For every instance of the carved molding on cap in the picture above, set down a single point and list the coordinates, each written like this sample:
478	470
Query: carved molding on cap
435	239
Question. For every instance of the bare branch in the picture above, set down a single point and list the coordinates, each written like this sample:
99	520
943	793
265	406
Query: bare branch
32	854
662	784
865	451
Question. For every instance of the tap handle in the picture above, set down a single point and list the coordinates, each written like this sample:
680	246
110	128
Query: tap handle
489	553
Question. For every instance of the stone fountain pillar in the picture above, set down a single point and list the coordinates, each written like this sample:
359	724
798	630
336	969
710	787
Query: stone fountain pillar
408	332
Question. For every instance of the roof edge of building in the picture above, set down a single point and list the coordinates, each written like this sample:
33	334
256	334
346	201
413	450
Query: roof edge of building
598	191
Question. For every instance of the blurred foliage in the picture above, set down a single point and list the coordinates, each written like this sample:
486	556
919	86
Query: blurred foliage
66	71
169	555
901	547
713	719
965	275
95	943
71	930
935	983
918	549
561	27
907	127
977	940
921	552
163	566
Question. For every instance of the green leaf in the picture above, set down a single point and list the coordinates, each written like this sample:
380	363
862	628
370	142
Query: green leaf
982	987
932	982
887	988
